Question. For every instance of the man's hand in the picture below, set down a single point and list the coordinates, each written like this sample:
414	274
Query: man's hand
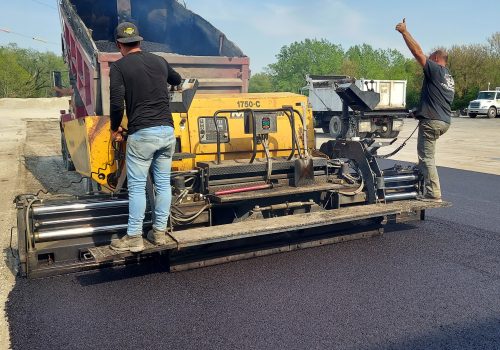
401	27
117	135
412	44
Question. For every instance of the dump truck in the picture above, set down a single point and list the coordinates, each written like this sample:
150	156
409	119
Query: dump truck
385	121
248	179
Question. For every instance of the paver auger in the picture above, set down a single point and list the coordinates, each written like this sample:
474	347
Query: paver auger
247	178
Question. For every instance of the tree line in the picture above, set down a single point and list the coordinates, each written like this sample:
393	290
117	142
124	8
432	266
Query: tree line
27	73
473	66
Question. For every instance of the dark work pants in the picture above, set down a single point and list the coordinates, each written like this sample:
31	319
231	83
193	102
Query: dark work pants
429	132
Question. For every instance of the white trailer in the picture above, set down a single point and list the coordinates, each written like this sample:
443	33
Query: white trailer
385	121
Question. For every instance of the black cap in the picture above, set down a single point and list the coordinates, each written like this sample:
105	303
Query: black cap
127	32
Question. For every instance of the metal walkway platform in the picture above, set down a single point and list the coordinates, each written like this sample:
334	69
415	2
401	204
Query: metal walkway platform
180	241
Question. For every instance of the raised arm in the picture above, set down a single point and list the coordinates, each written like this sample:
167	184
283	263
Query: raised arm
414	47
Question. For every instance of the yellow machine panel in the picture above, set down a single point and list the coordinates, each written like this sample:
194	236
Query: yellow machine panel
237	144
93	153
89	144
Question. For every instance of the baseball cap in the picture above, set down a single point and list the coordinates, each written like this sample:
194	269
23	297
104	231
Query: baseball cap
127	32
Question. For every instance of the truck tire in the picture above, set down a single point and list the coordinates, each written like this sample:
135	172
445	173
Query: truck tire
492	112
337	128
67	162
472	115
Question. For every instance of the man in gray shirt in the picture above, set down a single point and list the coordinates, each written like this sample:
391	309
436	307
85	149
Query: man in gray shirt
434	111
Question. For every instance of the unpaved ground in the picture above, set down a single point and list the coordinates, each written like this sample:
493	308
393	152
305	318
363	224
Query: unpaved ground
28	148
30	160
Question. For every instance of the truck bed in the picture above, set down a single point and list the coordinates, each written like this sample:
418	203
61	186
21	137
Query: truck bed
89	47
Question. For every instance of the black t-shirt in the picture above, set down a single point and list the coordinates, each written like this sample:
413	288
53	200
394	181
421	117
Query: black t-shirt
141	79
438	91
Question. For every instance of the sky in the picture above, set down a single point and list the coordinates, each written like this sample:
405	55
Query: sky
261	28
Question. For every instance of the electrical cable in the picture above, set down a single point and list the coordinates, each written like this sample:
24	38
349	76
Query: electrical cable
8	31
357	191
186	220
396	151
265	144
44	4
353	180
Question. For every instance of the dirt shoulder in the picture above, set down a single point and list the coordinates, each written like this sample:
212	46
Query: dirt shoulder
15	116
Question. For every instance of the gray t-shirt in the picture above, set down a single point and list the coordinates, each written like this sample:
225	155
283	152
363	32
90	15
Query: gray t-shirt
438	91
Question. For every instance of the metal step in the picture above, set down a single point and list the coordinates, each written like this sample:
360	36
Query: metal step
105	253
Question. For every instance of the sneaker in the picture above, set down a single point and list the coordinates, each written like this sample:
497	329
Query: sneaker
156	237
429	199
128	243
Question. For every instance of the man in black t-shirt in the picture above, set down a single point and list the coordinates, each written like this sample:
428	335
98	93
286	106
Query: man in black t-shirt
434	111
141	80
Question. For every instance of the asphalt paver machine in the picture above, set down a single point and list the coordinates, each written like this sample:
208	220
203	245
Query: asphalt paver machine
247	177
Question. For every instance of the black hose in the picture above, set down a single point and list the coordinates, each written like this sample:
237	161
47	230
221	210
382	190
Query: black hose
217	131
396	151
295	142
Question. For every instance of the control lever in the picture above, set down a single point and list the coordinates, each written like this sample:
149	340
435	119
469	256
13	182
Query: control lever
182	96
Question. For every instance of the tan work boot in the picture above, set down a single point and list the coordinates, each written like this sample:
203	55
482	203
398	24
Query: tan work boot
156	237
429	199
128	243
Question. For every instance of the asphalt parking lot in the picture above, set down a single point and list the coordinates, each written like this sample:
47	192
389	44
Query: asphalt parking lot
431	285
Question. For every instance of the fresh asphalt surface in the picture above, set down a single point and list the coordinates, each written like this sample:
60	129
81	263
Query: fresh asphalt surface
431	285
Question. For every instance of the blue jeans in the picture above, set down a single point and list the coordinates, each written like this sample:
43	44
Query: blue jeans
149	148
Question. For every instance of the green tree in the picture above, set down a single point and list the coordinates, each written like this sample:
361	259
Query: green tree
473	67
298	59
27	73
14	79
261	82
364	61
415	77
313	56
494	41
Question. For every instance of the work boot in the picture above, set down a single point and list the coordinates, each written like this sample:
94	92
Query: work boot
128	243
429	199
156	237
